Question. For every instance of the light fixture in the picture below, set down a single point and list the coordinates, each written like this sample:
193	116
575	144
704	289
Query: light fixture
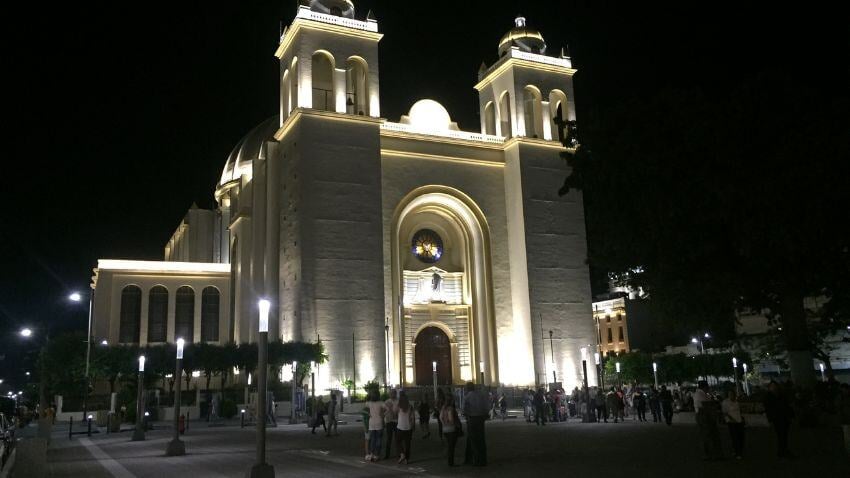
434	364
745	368
26	332
104	343
654	367
734	362
596	357
180	343
707	336
694	340
196	374
75	297
618	367
141	363
265	306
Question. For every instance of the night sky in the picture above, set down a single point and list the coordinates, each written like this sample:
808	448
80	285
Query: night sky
119	116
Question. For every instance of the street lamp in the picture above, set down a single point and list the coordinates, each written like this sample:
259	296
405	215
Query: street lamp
77	297
292	400
822	373
139	432
481	367
552	350
434	365
746	381
619	382
387	360
26	333
176	447
655	373
735	372
261	468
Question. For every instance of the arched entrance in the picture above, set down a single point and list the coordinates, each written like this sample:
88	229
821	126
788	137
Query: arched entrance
433	345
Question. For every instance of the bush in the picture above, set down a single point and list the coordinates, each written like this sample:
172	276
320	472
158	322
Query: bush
228	408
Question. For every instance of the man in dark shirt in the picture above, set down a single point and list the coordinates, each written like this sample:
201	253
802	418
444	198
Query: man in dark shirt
779	414
476	408
539	407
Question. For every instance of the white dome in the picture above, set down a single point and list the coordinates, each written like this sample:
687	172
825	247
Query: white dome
428	115
249	148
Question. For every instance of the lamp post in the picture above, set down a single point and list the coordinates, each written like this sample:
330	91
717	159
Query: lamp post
314	408
176	447
387	359
139	432
746	381
597	357
77	297
434	364
552	351
261	469
655	373
26	333
822	373
619	382
292	400
735	373
481	368
588	416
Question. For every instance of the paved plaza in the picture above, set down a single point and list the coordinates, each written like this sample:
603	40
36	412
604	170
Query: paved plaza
515	448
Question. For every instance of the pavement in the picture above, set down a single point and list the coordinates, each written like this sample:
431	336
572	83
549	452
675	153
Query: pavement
515	449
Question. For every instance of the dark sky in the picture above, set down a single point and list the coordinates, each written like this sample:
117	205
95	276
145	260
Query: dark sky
119	116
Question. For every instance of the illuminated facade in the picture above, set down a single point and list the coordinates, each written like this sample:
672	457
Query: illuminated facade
399	244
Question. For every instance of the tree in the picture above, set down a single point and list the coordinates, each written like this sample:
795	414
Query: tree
722	203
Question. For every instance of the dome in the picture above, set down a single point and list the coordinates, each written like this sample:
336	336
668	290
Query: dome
248	149
428	115
340	8
521	35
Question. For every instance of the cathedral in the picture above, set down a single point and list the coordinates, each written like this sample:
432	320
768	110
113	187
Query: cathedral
411	249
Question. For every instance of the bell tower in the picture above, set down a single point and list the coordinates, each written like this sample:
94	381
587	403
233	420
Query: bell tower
526	92
329	60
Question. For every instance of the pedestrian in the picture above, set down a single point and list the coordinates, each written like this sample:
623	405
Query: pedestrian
735	421
666	399
476	409
405	426
780	414
503	407
364	415
391	420
639	402
377	410
333	415
528	403
601	409
451	425
538	402
425	417
707	415
654	405
611	401
441	400
320	416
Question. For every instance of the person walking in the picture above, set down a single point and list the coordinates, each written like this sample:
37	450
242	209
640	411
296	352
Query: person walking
528	403
539	415
441	401
654	405
639	402
377	410
451	426
405	426
320	416
707	411
780	414
735	421
601	409
333	415
476	409
391	420
424	416
612	402
364	415
503	407
665	397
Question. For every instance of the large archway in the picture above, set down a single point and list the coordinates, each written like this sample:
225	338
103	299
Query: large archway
454	291
433	347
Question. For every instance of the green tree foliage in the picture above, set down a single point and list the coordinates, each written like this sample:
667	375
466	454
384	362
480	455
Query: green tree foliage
724	202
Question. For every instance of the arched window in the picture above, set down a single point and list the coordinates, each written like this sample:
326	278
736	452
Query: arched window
184	314
505	114
285	100
131	315
357	86
490	118
293	80
210	300
323	82
532	102
158	314
558	110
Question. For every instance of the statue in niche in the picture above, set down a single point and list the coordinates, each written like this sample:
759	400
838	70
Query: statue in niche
436	288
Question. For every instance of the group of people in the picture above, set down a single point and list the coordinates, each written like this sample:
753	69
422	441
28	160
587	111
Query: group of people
393	422
329	410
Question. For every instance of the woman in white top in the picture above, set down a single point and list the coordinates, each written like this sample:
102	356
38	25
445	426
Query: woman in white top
376	425
735	421
404	429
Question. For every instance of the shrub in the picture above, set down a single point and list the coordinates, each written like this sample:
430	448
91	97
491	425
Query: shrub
228	409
